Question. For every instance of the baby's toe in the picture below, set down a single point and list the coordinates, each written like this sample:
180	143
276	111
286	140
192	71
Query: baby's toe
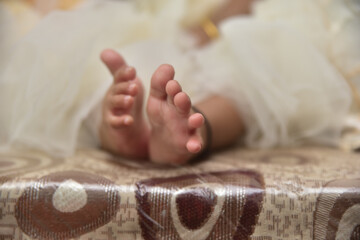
120	121
159	80
125	73
127	88
182	102
112	60
196	120
121	101
172	88
194	145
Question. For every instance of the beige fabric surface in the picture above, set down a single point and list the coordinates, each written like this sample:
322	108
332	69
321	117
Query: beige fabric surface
300	193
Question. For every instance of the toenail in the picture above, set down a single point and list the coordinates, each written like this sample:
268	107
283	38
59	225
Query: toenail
128	70
132	87
127	120
127	99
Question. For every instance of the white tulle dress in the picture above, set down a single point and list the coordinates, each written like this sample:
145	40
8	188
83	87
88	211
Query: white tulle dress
284	67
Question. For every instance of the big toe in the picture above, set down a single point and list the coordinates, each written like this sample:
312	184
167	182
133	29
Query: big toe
112	60
159	80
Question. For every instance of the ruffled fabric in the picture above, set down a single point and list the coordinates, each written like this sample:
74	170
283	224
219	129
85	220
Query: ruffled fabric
288	69
286	89
333	26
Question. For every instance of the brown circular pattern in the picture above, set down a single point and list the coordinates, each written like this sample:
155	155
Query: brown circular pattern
38	218
5	163
333	206
355	235
195	206
15	164
238	205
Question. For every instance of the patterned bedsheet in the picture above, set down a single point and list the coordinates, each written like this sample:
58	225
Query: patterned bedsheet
299	193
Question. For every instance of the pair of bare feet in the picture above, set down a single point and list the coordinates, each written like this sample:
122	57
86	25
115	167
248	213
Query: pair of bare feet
172	134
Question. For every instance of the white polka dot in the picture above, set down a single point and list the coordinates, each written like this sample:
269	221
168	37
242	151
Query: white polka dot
69	197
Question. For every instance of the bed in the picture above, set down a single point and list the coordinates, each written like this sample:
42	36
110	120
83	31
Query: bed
293	193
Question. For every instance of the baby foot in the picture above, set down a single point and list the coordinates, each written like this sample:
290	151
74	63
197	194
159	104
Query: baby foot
175	131
124	130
